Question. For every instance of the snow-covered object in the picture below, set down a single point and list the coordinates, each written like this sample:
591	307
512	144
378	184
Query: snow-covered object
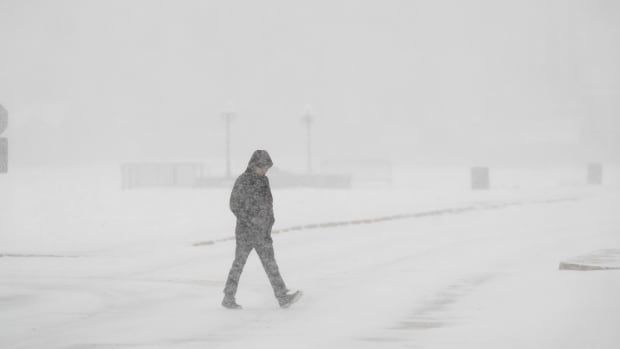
607	259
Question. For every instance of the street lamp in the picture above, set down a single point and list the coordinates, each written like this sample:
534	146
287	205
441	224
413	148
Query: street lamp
4	143
308	119
228	117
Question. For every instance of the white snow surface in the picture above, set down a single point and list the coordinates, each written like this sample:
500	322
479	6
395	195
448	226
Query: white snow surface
87	265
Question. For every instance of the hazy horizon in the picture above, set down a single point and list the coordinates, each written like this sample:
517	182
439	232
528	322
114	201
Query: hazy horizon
408	81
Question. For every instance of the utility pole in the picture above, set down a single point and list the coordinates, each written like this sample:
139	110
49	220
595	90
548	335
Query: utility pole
228	117
308	119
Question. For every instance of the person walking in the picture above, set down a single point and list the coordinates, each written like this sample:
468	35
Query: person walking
252	204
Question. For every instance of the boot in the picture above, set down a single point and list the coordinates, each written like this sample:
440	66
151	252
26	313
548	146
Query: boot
229	303
287	299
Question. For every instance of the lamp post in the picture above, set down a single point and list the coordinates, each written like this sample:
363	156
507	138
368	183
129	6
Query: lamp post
4	143
228	117
308	119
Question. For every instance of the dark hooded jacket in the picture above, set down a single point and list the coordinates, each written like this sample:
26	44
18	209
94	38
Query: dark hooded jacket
252	203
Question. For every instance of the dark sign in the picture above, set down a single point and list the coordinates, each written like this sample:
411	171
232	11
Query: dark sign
480	178
595	174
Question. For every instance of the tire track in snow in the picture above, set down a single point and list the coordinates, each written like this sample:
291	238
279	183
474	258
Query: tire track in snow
432	313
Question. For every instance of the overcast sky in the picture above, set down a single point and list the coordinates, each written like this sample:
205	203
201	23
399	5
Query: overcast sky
112	81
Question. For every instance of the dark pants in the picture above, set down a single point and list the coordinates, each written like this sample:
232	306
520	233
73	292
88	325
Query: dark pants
266	254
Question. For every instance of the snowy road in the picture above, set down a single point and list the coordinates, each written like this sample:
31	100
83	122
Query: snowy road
486	278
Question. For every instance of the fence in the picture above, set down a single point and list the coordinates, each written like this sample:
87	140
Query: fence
142	175
366	171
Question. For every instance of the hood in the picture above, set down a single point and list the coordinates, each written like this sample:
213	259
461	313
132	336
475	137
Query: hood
260	158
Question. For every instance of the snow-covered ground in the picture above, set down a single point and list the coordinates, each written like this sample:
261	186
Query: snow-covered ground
90	266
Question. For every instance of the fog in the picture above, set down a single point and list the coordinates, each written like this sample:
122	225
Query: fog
445	174
468	82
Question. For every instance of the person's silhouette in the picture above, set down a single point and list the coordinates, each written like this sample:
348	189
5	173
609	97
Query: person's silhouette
252	203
